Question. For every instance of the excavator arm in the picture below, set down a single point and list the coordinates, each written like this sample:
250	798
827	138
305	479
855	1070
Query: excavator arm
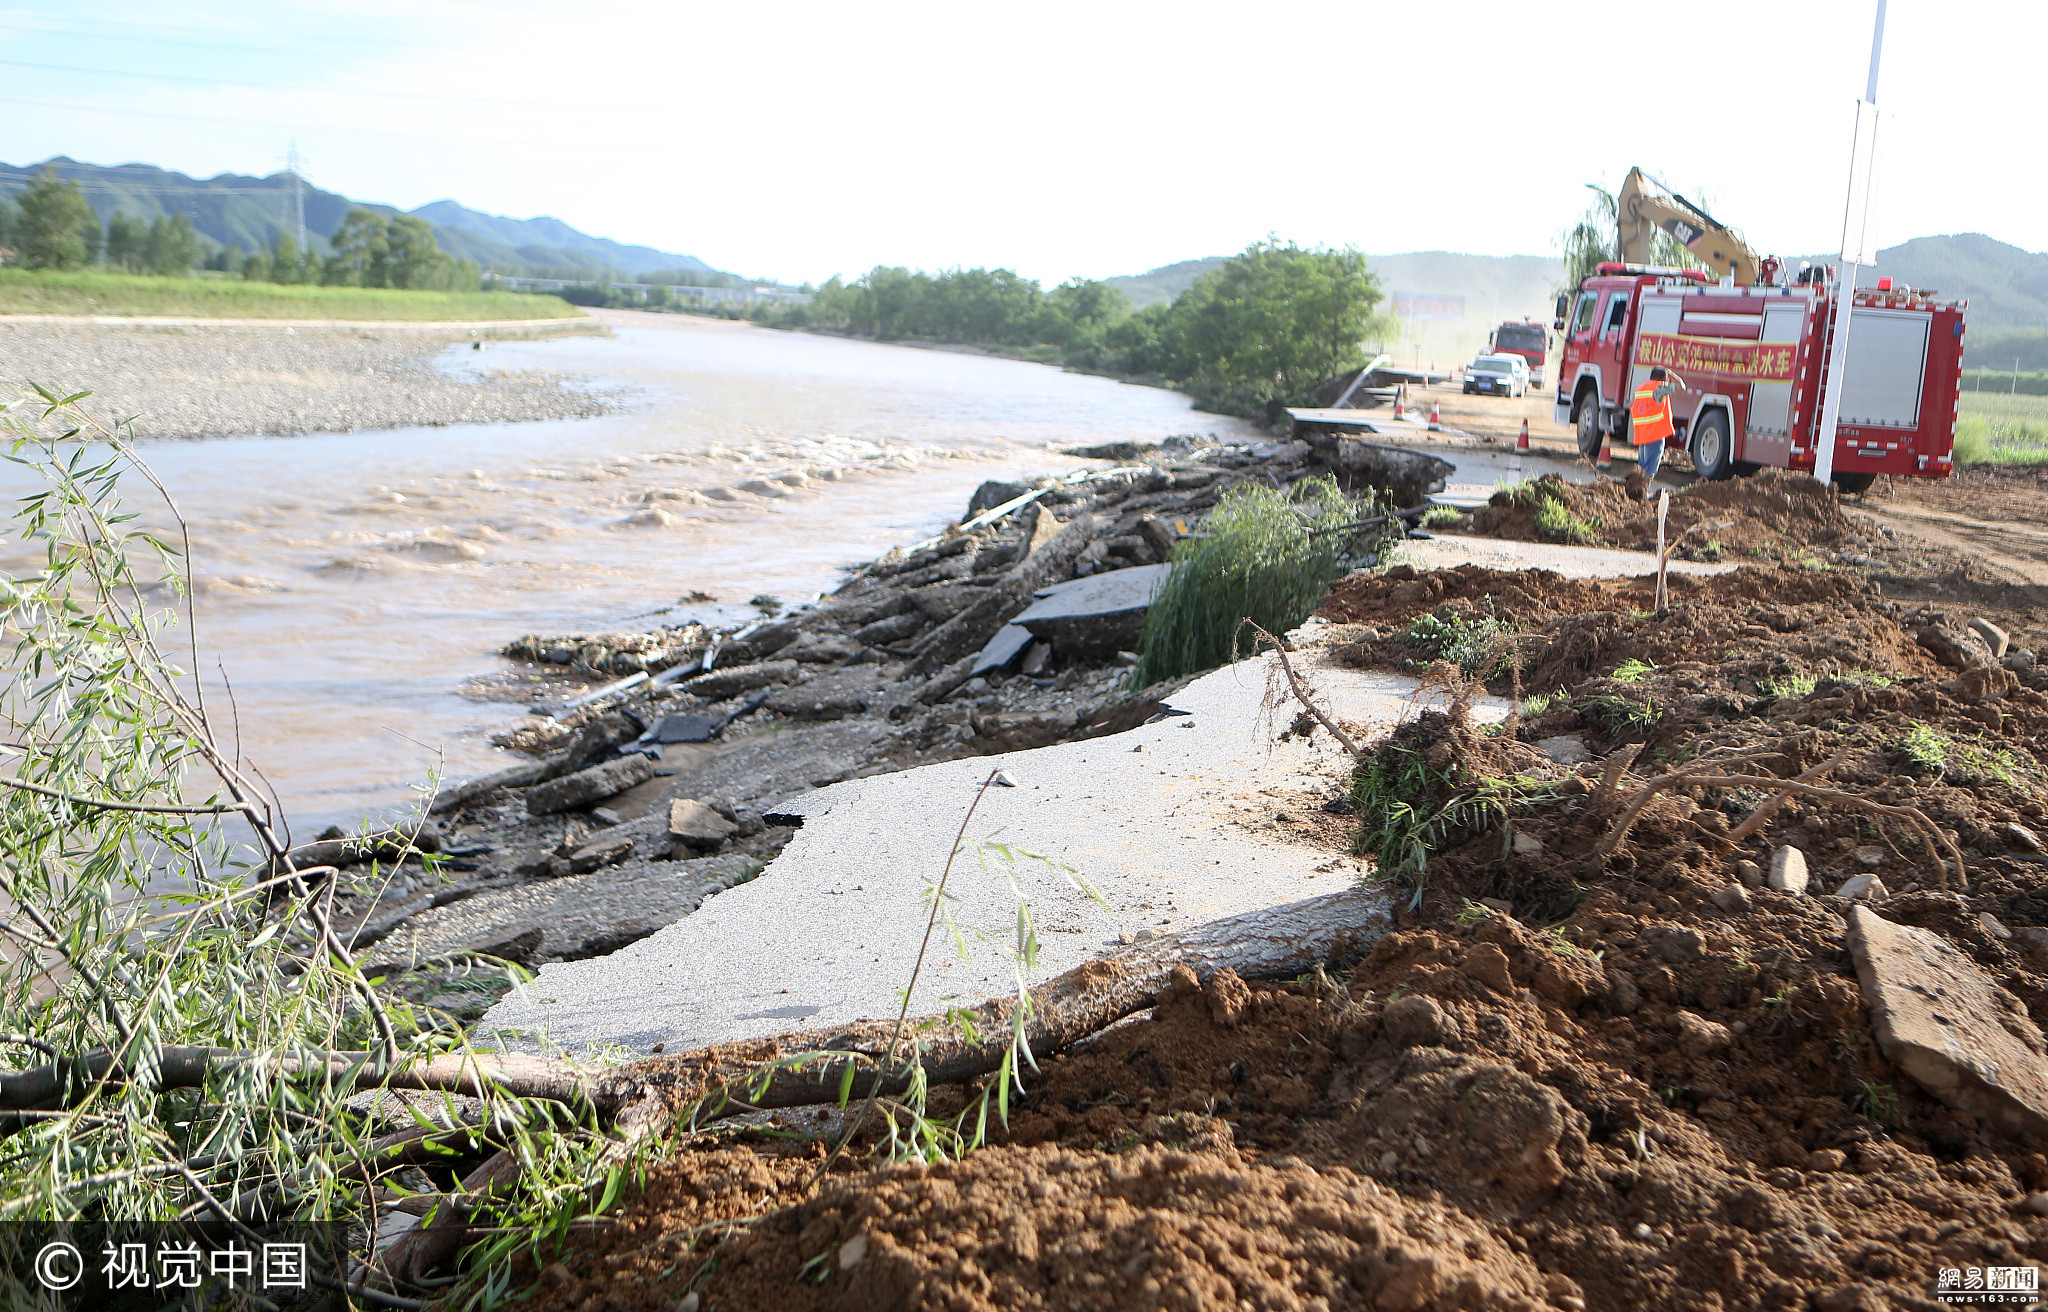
1643	207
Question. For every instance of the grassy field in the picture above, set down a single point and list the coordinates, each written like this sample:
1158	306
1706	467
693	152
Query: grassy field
2002	427
24	291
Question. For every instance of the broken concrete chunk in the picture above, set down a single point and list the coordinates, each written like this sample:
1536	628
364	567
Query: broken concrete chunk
2025	839
1994	637
1159	535
587	786
1788	870
1000	650
1957	649
1945	1023
890	630
1750	873
803	704
684	729
992	494
1870	855
1864	887
721	684
1097	617
1564	749
1732	898
599	852
1992	925
697	824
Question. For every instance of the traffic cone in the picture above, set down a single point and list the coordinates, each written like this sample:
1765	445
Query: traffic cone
1606	454
1435	421
1399	393
1522	442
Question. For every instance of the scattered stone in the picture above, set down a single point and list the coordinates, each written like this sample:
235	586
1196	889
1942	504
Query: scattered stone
1732	898
1957	649
605	816
1788	870
1501	905
2038	1203
1623	995
1826	1159
600	852
1993	636
1035	658
1945	1023
1674	943
1564	749
1750	873
1992	926
2019	661
1864	887
1159	535
992	494
697	825
721	684
587	786
1870	854
2025	839
1525	844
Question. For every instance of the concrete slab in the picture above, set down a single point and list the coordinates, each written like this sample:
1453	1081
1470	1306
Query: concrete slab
1450	550
1174	823
1094	617
1009	642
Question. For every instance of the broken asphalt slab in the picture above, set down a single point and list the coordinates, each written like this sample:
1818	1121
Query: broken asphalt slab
1095	617
1174	824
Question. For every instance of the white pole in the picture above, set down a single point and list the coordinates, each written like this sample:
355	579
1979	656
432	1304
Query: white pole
1855	235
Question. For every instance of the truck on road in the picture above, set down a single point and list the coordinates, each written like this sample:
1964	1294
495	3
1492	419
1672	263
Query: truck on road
1523	337
1751	356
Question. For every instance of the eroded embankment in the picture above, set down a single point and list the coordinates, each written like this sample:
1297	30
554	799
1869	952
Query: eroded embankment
1590	1070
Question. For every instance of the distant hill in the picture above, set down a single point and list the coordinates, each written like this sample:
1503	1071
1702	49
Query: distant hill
233	209
2007	287
1163	283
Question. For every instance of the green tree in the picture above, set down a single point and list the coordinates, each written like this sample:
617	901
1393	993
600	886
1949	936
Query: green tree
54	217
256	267
1270	324
414	257
10	219
1089	306
287	264
362	251
124	241
1595	239
172	246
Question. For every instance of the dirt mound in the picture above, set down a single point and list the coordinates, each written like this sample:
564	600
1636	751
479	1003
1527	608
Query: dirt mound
1632	1080
1770	514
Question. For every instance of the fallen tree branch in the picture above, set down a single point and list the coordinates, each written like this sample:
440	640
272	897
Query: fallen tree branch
1761	814
1300	693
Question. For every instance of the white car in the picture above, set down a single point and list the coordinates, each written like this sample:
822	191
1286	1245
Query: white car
1498	375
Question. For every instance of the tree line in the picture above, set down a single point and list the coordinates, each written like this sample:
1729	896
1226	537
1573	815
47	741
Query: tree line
51	226
1253	336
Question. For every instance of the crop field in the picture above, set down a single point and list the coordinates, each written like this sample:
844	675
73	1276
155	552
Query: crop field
24	291
2002	427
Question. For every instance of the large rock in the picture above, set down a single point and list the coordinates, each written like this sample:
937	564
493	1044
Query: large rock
1096	617
1946	1024
721	684
992	494
697	825
587	786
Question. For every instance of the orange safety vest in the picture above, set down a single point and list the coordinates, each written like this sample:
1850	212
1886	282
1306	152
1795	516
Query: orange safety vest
1649	419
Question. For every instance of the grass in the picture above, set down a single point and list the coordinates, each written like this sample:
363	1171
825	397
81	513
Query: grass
1961	761
1260	555
1554	523
1442	517
1790	686
1618	714
1999	427
91	291
1482	646
1402	823
1632	671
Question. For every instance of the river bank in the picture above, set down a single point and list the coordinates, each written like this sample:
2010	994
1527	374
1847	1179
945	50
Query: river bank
194	379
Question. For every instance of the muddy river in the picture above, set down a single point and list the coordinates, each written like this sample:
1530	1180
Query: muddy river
348	584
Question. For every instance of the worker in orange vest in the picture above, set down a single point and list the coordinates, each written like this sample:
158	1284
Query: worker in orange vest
1649	422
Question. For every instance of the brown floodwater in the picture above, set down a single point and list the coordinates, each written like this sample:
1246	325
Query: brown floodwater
349	583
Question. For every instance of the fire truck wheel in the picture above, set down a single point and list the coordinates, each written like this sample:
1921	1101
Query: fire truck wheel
1712	452
1852	484
1589	425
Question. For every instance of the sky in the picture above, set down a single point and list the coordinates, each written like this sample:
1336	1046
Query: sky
798	140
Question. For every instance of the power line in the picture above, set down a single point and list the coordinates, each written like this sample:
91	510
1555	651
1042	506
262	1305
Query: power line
579	148
190	80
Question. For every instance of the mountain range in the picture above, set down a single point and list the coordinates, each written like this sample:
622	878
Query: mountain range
232	209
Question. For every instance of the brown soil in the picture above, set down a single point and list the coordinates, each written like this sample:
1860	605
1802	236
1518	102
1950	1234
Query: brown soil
1614	1094
1996	513
1765	515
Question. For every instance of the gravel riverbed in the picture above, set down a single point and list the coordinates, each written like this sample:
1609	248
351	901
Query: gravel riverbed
189	381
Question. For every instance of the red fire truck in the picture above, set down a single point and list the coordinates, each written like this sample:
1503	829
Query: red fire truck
1523	337
1750	361
1751	356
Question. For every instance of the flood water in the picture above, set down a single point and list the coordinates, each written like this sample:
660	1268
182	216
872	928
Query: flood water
348	584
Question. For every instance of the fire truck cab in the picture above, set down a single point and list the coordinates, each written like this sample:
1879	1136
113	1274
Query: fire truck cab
1750	364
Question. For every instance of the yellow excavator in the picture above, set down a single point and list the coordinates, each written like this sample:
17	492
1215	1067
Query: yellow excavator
1644	206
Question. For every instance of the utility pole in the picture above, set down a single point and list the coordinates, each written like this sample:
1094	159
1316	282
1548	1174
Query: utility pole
1855	251
293	162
